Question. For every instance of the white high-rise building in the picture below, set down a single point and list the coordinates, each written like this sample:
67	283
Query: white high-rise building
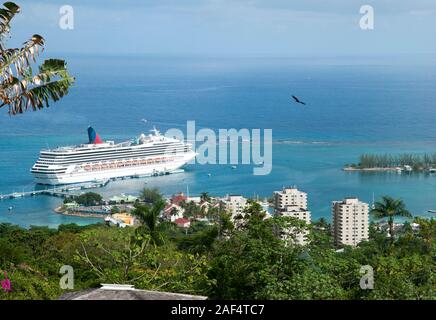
296	212
235	204
291	202
301	214
350	221
289	197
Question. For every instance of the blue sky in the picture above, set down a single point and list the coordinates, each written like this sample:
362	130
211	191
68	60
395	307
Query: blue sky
232	27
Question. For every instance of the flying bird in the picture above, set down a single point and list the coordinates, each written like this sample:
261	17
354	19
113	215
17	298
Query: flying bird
298	100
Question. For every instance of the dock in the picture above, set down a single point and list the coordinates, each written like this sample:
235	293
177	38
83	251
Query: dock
63	191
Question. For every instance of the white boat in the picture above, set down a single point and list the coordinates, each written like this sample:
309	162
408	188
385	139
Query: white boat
16	195
408	168
97	160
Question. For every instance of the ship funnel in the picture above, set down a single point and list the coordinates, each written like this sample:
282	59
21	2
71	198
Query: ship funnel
93	136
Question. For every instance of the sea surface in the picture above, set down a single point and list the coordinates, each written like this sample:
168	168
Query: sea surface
352	108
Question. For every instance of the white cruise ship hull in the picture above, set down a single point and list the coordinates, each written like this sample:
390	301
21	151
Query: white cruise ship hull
98	160
105	174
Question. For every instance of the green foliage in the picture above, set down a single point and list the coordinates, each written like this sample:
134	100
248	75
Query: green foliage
20	88
151	195
28	285
416	161
73	228
200	241
148	215
191	209
204	197
89	199
390	208
248	262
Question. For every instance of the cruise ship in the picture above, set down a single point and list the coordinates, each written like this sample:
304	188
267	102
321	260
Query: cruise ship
97	160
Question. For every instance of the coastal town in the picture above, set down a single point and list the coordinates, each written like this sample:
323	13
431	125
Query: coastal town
350	217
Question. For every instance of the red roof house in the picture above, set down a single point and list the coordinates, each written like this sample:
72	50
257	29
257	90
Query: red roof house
182	222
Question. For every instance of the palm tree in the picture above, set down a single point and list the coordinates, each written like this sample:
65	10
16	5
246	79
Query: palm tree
20	88
204	197
148	215
390	208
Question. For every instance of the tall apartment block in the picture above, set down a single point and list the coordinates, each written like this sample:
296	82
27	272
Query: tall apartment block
291	202
350	221
235	204
289	197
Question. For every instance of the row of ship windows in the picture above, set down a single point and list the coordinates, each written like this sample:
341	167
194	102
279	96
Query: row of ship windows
126	164
124	150
104	152
109	165
49	170
101	158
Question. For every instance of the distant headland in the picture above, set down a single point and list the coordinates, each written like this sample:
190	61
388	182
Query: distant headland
404	162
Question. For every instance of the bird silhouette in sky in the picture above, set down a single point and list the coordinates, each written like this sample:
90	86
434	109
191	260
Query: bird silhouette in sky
298	100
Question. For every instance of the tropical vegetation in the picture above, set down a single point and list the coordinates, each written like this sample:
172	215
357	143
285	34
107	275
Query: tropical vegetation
88	199
415	161
390	208
222	261
21	88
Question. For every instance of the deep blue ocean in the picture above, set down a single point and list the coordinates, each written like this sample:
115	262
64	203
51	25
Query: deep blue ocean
351	109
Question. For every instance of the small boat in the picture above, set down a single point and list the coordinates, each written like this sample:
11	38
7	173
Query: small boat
16	195
408	168
10	208
209	174
431	211
234	167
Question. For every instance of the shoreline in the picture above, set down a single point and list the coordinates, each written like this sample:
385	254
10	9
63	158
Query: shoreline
370	169
59	210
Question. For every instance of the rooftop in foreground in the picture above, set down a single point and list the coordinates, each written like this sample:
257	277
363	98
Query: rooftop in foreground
125	292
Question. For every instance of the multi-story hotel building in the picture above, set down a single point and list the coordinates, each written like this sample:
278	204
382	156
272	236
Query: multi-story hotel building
301	214
289	197
291	202
234	204
350	221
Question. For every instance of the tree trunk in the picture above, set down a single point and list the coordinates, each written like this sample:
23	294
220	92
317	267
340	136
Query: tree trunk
391	229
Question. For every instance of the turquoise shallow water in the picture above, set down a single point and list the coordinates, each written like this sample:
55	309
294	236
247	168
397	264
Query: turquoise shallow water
351	110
